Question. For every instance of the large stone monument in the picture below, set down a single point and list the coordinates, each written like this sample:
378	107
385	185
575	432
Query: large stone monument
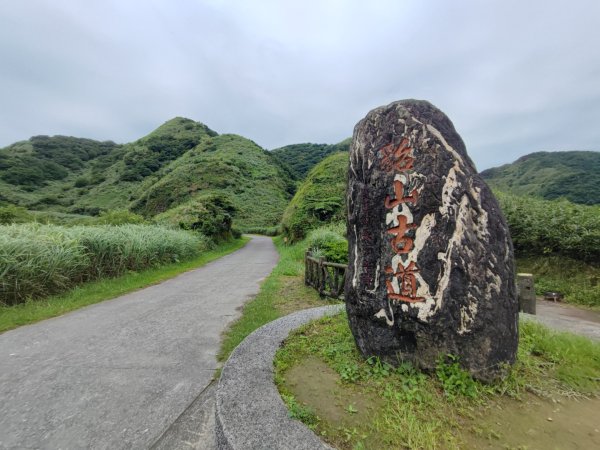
431	268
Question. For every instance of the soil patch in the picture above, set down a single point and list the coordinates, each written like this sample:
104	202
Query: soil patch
537	424
316	385
530	423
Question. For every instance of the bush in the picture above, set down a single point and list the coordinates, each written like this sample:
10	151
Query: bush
329	242
543	227
208	214
41	260
13	214
82	182
320	199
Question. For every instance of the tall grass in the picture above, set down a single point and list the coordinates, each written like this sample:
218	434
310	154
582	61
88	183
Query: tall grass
40	260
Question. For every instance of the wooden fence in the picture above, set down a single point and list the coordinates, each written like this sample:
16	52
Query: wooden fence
326	277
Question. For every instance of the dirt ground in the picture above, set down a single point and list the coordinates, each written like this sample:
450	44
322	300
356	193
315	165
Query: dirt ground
531	423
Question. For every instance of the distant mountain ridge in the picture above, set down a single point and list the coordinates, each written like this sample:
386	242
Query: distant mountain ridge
574	175
301	158
174	164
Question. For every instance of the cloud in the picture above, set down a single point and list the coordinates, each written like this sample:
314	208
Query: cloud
515	77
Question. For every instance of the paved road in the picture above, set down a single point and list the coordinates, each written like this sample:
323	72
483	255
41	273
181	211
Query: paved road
118	374
565	317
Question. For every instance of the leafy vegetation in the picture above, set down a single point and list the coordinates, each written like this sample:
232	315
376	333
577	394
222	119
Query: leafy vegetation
167	143
541	227
209	214
40	260
329	242
13	214
551	175
171	166
301	158
229	165
319	200
105	289
381	406
43	158
577	281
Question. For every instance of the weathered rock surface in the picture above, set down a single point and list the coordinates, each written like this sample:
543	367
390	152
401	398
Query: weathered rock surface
431	261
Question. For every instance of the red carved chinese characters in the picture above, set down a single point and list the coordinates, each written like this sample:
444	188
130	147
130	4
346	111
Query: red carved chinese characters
402	284
399	194
407	283
402	244
397	158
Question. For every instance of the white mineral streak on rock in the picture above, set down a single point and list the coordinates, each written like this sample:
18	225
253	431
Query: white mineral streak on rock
494	284
376	283
479	224
422	234
395	285
381	314
391	218
447	146
355	276
467	315
446	257
449	186
402	177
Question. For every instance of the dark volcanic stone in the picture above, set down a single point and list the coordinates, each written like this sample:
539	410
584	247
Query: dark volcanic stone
431	261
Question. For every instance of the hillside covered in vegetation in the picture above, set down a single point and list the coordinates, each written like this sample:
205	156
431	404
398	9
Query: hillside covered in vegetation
300	158
320	199
174	164
550	175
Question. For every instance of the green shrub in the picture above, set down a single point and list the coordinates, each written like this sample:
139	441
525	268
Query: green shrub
209	214
320	199
81	182
329	242
40	260
543	227
14	214
578	281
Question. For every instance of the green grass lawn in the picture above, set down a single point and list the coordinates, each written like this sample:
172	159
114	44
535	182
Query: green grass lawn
105	289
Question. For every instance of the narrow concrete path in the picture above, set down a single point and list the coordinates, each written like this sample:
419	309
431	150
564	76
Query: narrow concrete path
119	373
565	317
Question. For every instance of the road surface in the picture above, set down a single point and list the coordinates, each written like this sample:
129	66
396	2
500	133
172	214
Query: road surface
119	373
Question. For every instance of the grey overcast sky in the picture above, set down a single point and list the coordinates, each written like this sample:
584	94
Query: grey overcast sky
514	76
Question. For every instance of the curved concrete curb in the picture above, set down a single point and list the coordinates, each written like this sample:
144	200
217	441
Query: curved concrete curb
250	414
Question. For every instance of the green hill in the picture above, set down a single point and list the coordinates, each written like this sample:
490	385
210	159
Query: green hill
169	167
300	158
572	175
258	187
320	199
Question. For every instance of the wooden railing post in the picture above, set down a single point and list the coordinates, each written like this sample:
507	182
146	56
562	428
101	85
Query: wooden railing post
306	268
321	276
325	277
